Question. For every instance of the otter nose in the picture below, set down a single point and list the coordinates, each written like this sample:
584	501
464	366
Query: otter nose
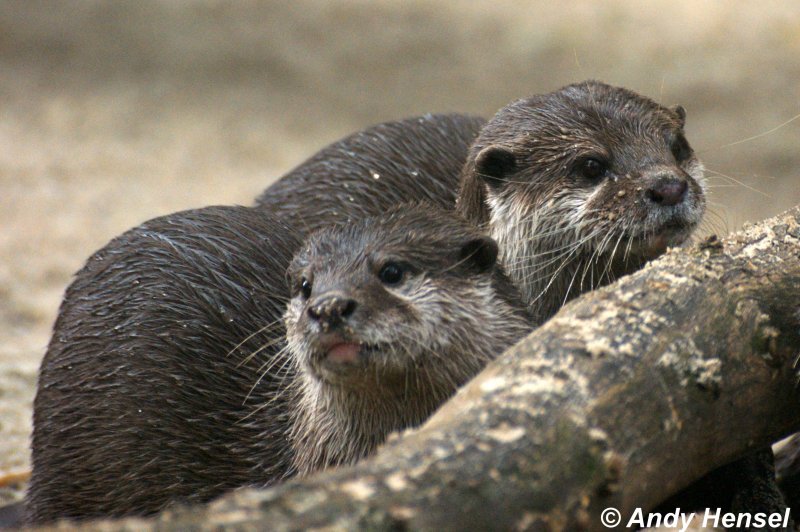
667	191
331	309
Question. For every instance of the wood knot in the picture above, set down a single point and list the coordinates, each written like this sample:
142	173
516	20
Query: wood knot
712	243
615	466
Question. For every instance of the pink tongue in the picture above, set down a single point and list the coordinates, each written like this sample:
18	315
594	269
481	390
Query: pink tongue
344	353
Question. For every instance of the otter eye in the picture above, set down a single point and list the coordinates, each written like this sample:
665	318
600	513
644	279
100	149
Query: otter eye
305	288
680	149
391	273
593	169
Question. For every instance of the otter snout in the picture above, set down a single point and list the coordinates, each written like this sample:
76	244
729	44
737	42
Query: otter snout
331	309
667	189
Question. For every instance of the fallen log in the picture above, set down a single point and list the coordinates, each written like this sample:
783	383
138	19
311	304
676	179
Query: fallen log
626	396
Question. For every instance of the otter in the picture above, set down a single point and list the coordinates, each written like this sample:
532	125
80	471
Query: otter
578	186
154	384
388	317
167	377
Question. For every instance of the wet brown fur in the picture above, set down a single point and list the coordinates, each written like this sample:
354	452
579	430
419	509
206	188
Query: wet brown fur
416	159
151	388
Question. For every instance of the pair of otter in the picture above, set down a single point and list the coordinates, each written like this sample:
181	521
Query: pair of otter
165	379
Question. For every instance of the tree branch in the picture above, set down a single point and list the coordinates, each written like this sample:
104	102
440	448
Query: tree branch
627	395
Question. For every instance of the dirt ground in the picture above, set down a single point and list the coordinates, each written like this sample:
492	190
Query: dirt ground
115	112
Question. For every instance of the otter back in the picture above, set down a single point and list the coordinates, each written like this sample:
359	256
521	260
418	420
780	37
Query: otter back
417	159
139	402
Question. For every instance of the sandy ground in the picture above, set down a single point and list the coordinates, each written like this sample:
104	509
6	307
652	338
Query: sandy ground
112	113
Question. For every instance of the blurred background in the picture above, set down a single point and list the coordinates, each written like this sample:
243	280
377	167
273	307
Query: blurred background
115	112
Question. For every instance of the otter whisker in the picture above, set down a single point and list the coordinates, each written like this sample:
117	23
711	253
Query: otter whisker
563	251
558	252
607	270
740	183
571	282
714	222
261	348
764	134
575	248
280	355
249	337
590	264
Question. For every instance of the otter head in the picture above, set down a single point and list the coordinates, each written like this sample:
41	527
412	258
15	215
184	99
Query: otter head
580	186
387	318
395	301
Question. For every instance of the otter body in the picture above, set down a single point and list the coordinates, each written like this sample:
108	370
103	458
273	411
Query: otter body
148	393
388	317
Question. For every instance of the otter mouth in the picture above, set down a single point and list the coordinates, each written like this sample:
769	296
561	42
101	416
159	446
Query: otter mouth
653	244
343	353
336	355
337	348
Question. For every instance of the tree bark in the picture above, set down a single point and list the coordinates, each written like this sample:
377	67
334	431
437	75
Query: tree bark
626	396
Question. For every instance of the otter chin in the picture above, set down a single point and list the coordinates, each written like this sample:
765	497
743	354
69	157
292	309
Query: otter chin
655	245
649	245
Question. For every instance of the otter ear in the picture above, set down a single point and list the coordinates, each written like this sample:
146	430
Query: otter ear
290	280
494	164
293	272
681	112
480	254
